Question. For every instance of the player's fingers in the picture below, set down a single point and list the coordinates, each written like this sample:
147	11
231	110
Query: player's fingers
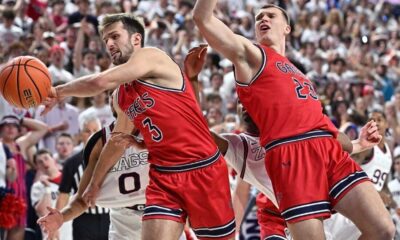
202	53
51	210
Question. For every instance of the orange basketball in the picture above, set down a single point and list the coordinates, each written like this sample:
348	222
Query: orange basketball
25	81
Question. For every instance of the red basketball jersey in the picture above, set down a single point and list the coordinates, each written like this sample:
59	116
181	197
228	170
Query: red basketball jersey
170	120
281	100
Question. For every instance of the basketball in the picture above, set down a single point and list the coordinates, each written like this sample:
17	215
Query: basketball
25	82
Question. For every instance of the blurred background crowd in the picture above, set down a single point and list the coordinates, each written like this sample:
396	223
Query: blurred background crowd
350	49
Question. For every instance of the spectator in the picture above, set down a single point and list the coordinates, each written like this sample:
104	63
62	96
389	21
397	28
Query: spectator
83	12
101	109
63	118
10	132
45	191
56	69
64	148
9	33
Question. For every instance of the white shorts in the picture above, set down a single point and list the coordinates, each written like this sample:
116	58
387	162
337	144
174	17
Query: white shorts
125	224
338	227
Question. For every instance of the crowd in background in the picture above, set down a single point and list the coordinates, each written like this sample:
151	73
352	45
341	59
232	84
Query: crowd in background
349	49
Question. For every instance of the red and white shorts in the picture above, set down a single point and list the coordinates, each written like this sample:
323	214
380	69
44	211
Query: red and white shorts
202	194
310	173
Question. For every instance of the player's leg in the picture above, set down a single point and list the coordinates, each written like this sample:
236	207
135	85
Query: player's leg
125	224
307	229
298	173
155	229
272	225
164	215
208	202
363	205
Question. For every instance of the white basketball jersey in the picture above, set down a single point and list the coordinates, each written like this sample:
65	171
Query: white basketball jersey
246	156
126	182
378	167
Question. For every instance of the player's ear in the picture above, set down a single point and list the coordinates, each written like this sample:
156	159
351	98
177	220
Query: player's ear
136	39
288	29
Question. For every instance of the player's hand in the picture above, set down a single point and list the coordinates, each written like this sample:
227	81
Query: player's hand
194	61
90	194
51	222
125	140
51	100
369	135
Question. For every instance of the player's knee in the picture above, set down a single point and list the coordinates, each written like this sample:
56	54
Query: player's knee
388	230
385	230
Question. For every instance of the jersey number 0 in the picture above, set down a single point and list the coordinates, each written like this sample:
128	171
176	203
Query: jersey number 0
135	177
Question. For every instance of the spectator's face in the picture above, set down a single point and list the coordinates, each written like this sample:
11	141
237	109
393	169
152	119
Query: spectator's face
214	103
83	6
216	81
64	147
214	117
381	122
360	104
71	37
271	26
9	131
45	163
90	60
89	129
57	57
118	43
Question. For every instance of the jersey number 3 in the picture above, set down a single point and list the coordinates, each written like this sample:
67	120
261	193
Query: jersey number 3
155	132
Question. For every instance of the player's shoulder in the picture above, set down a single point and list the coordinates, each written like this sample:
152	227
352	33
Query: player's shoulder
151	51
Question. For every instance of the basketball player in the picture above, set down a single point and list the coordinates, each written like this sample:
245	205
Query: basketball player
122	191
376	162
300	150
156	97
244	154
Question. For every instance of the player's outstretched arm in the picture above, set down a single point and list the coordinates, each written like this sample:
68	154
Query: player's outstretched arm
241	51
137	67
368	138
344	140
111	153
